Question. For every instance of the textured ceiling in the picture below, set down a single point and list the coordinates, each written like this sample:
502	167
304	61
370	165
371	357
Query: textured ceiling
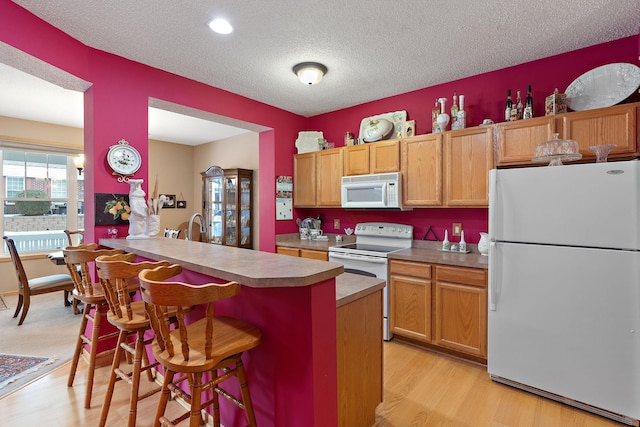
373	48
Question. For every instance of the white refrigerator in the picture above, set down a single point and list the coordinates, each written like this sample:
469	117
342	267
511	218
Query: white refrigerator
564	284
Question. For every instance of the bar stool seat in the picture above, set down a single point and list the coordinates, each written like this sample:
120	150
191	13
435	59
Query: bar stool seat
211	345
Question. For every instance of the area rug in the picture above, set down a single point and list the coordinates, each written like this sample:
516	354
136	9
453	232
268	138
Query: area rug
48	334
13	367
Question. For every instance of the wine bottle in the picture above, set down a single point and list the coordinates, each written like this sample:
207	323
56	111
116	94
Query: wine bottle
518	106
454	110
528	105
435	127
508	107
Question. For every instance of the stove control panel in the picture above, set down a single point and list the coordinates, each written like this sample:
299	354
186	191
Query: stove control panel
384	229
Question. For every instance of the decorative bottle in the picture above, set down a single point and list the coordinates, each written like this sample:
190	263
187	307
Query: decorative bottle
518	106
434	118
462	246
443	117
461	119
508	107
454	110
528	105
445	243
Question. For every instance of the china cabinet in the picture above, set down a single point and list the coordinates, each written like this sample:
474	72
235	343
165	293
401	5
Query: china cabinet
227	206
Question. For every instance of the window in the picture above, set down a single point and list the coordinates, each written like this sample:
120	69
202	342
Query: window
39	189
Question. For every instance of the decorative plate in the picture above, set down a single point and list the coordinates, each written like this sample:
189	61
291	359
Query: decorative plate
603	86
397	118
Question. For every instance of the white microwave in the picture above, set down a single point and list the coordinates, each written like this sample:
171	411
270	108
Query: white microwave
377	191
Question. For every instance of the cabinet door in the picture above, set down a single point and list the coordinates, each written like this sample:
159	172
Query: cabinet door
283	250
313	254
612	125
385	156
422	170
356	159
304	180
329	166
460	310
410	300
517	140
468	158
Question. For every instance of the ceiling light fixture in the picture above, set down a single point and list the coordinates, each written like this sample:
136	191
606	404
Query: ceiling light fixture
220	26
79	162
310	73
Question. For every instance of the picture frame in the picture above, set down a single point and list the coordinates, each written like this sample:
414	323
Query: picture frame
169	202
104	202
181	204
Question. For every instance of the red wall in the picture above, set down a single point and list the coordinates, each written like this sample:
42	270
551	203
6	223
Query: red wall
116	107
485	95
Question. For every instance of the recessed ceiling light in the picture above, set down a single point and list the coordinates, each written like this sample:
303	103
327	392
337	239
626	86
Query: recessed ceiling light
220	26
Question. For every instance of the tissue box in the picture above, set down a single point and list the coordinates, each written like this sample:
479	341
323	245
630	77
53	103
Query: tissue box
555	103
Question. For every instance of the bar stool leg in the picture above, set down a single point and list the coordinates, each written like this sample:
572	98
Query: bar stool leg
195	420
79	344
117	357
95	335
165	394
244	390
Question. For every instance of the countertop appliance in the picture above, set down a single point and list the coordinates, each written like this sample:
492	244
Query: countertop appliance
369	256
381	191
564	284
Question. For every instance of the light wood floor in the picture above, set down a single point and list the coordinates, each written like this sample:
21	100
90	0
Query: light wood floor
421	389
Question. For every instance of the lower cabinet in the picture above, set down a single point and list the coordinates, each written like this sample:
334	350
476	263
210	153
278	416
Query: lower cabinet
440	305
303	253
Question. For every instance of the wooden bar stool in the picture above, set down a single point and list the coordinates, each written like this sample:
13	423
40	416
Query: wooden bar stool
213	344
91	295
118	274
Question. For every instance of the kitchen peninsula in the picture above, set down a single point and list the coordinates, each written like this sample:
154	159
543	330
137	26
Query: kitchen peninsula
293	302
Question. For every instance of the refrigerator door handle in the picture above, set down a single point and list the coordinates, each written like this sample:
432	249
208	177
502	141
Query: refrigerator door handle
492	279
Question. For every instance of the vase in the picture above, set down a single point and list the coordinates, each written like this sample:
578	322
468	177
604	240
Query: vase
602	151
483	244
153	225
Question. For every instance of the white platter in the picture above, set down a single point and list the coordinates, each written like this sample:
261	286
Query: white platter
397	118
603	86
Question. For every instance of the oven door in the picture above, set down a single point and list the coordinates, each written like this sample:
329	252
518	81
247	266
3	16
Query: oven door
371	266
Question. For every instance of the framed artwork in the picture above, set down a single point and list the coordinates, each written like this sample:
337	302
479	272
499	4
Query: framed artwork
112	209
169	202
181	204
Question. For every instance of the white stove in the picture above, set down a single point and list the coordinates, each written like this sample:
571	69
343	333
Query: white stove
369	255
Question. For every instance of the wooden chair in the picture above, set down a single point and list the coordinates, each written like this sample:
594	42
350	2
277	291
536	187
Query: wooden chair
37	286
78	259
213	344
118	274
172	234
79	239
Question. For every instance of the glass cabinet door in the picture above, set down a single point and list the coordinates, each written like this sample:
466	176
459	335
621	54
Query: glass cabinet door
227	206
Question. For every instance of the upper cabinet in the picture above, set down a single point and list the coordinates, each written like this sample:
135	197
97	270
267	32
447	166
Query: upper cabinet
304	185
618	125
422	170
375	157
468	158
517	140
613	125
329	166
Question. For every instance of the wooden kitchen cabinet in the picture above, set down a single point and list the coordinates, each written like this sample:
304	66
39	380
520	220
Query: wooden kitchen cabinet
460	309
329	167
421	168
303	253
468	158
410	299
612	125
517	140
374	157
304	180
317	178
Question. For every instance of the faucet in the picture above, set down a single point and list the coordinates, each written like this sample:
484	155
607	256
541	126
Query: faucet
203	226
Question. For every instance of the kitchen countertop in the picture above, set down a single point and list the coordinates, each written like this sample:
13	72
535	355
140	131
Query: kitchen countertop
248	267
351	287
422	250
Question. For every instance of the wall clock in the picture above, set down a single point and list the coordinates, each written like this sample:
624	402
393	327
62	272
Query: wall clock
124	159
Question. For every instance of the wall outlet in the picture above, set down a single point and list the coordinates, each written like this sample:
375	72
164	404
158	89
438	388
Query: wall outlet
336	224
456	228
